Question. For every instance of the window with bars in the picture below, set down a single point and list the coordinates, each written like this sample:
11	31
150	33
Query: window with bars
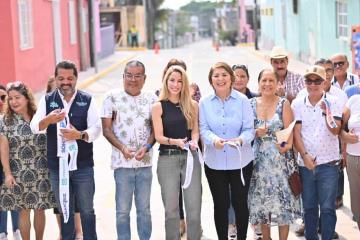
25	24
341	19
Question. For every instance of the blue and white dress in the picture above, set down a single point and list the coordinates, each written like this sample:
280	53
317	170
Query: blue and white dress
270	198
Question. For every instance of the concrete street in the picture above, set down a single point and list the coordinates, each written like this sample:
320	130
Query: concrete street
199	57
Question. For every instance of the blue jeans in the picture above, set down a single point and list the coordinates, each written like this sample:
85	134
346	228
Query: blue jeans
129	182
83	186
14	220
340	191
320	188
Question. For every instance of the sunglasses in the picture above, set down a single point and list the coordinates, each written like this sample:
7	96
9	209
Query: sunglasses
2	98
16	84
339	64
241	66
316	81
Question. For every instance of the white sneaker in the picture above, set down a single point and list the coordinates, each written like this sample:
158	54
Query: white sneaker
232	232
17	235
3	236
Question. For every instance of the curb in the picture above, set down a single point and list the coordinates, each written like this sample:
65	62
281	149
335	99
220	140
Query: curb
131	49
87	82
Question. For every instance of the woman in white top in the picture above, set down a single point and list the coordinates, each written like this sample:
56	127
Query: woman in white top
350	135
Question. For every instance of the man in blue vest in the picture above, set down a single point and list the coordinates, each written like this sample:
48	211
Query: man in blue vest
71	122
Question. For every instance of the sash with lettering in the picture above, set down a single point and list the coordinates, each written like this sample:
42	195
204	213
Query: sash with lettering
65	149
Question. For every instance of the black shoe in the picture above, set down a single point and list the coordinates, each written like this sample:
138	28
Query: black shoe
300	232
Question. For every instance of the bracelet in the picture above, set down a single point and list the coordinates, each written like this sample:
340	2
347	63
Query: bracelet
168	140
148	146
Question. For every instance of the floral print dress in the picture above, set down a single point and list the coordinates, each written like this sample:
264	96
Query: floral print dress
28	164
270	198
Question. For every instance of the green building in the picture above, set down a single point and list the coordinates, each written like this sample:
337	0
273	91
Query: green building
309	29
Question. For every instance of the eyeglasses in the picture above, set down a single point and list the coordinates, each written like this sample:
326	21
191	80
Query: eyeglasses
316	81
3	97
137	77
237	66
339	64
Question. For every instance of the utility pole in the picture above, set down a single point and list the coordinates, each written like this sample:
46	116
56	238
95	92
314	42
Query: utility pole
256	17
83	62
92	33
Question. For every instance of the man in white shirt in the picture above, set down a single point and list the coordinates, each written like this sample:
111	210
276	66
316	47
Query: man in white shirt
342	79
76	108
126	120
318	116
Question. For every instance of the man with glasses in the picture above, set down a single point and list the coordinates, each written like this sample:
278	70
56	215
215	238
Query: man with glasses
126	121
318	116
342	79
78	109
289	83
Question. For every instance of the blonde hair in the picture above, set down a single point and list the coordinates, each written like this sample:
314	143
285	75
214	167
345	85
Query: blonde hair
187	105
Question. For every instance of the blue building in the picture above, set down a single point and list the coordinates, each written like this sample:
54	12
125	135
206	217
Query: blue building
309	29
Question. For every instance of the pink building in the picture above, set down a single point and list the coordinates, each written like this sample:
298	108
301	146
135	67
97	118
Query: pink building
35	35
246	15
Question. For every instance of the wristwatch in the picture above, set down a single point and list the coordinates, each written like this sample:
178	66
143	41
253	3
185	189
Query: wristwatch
82	135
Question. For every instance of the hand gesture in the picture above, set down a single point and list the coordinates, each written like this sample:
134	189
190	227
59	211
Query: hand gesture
70	133
10	181
309	161
193	145
180	142
128	153
140	153
219	144
262	131
282	148
55	116
280	89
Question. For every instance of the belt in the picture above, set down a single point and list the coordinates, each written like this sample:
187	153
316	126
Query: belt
334	162
169	152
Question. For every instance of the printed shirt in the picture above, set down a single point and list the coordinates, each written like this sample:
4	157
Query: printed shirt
318	140
131	124
294	83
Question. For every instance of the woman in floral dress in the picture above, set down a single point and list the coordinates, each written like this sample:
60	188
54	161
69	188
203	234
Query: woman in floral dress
23	155
270	197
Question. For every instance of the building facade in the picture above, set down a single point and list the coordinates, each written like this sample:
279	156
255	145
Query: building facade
309	29
35	35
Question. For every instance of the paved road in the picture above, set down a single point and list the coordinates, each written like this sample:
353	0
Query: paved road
199	57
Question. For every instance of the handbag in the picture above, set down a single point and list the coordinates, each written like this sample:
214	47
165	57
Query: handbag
295	184
294	178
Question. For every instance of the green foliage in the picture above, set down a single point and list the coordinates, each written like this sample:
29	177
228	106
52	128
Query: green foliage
182	23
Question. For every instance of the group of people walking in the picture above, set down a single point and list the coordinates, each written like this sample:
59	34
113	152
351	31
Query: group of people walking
47	152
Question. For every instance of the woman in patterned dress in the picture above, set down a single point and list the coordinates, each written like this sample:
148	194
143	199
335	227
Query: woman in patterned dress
23	155
270	196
